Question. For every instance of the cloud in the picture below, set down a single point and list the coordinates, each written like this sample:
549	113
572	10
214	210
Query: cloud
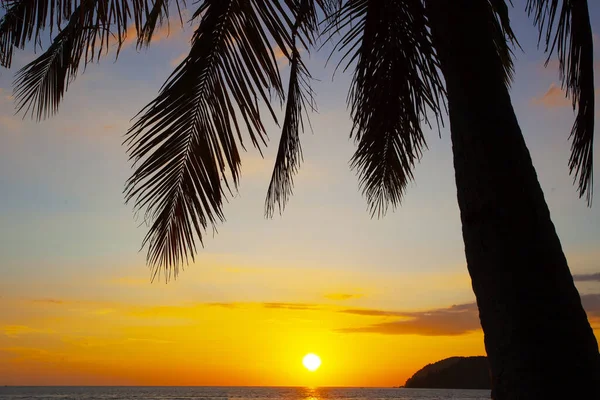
278	53
177	60
103	311
225	305
145	340
554	97
292	306
591	303
587	277
5	95
10	123
25	352
452	321
373	313
246	270
130	281
169	30
15	331
342	296
49	301
280	56
554	65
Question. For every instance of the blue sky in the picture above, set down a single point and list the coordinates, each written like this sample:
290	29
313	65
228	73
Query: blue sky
63	178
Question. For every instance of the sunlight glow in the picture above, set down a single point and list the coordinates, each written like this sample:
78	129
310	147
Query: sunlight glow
311	361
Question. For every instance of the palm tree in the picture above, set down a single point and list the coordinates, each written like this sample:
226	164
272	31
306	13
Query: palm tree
538	340
185	143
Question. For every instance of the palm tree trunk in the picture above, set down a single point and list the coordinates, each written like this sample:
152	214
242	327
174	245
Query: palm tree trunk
539	342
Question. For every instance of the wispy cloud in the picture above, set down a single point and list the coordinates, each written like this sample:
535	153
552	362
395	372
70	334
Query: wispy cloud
342	296
177	60
130	281
554	97
554	65
452	321
22	352
15	331
587	277
169	30
225	305
591	303
5	95
279	54
292	306
103	311
373	313
246	270
146	340
49	301
10	123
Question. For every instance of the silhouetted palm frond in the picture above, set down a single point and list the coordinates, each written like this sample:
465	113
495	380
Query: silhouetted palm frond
395	84
565	27
503	36
41	84
299	98
156	16
92	28
25	20
186	140
330	7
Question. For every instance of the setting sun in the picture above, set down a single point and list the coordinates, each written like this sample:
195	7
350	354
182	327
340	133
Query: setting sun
311	361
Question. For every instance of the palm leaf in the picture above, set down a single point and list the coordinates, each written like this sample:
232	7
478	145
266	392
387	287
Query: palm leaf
330	7
565	28
185	142
91	29
41	84
24	20
395	83
158	13
503	36
299	98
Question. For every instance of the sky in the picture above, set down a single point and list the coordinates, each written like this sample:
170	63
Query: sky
376	299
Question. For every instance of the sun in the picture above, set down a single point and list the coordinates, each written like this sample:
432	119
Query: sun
311	361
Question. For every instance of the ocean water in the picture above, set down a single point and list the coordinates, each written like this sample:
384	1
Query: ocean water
234	393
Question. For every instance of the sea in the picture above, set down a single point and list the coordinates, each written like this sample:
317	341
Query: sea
233	393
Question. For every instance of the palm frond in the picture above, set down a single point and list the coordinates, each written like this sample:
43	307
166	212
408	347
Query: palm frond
92	28
156	16
186	140
330	7
503	36
565	27
158	12
300	97
25	20
41	84
395	83
112	20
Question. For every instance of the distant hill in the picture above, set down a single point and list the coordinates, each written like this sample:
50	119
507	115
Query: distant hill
453	373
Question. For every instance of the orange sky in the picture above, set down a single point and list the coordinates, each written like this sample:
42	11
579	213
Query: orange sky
221	344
